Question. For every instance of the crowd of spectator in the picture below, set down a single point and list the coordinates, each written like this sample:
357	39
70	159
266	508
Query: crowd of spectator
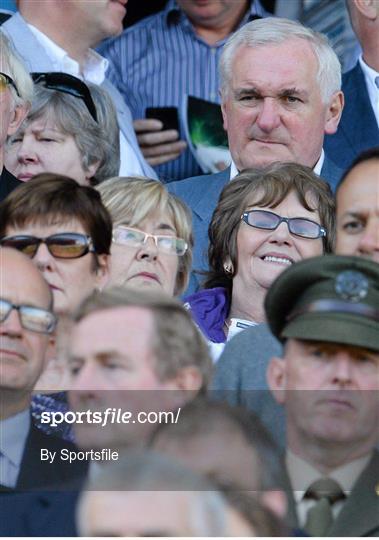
182	353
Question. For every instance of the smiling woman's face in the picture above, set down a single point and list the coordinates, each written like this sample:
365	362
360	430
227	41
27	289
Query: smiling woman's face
264	254
146	266
41	146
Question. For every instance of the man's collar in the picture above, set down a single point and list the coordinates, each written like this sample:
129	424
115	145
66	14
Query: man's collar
93	69
369	73
302	473
14	431
233	170
316	169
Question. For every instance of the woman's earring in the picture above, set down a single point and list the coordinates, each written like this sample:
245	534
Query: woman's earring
228	267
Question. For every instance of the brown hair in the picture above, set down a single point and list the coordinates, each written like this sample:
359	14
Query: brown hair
52	198
266	188
178	343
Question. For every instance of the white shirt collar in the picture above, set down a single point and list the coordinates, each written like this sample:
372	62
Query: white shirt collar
302	474
94	67
370	74
233	170
316	169
373	91
14	431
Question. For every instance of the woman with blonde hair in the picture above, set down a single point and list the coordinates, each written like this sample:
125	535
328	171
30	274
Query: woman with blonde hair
152	235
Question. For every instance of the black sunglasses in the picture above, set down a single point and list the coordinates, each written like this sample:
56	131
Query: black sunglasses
32	318
68	84
6	81
61	246
263	219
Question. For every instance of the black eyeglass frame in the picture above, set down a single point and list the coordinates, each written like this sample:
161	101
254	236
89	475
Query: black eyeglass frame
321	230
10	82
36	241
21	308
67	84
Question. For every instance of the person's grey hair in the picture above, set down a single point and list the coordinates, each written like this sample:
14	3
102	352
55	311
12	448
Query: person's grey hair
151	471
12	65
177	342
130	200
273	30
96	141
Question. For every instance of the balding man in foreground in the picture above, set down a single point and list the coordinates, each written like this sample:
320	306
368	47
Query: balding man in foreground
26	321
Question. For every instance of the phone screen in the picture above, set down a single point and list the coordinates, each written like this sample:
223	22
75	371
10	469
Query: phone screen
167	115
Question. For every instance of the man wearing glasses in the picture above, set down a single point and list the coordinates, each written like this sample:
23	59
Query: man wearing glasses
51	35
26	322
16	90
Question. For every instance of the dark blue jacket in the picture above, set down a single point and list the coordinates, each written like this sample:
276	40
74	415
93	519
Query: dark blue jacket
358	128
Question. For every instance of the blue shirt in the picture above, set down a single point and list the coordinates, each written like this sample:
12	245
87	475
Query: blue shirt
13	434
159	60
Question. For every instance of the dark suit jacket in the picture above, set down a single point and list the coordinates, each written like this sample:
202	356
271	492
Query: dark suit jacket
360	513
35	473
38	514
201	193
29	510
358	128
8	183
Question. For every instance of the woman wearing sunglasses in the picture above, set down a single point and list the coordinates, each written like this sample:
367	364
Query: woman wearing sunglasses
152	235
71	129
265	221
66	231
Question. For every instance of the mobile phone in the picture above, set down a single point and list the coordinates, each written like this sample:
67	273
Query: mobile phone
167	115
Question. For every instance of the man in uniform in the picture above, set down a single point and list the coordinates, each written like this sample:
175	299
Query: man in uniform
325	311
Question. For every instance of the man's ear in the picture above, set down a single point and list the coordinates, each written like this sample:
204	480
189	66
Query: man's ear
334	112
223	110
102	272
18	115
92	170
276	378
368	8
188	379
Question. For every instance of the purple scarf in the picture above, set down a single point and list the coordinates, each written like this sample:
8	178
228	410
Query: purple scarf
210	308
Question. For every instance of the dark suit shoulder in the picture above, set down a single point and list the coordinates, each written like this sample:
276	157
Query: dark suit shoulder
194	188
360	514
36	472
352	76
8	183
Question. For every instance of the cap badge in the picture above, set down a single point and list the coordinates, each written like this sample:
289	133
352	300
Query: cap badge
351	285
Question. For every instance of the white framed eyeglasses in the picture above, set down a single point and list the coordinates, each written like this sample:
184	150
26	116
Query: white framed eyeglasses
128	236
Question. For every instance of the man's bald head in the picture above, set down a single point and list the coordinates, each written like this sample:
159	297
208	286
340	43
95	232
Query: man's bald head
22	342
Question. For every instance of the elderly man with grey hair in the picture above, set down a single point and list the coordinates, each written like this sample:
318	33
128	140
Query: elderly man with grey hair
16	91
280	94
